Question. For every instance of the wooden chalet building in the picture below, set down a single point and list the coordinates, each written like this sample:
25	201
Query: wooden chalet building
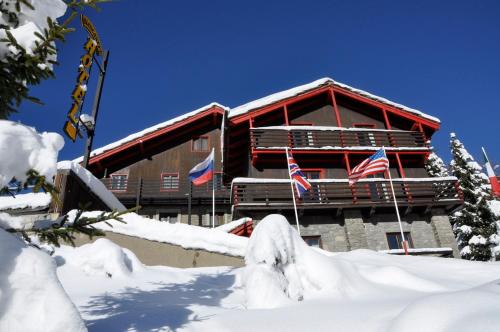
329	127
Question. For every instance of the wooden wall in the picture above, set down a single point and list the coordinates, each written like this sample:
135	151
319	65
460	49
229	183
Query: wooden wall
178	159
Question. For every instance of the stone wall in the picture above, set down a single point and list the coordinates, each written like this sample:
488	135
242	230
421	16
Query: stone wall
351	229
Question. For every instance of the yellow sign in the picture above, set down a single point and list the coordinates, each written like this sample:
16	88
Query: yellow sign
93	45
92	32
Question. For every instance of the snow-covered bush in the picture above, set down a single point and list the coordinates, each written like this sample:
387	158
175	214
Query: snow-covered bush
22	148
282	268
31	296
474	225
103	258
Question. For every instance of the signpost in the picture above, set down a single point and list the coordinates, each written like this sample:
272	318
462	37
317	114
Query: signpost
76	120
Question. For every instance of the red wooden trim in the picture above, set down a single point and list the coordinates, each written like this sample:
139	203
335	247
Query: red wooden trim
198	137
340	151
285	110
335	107
154	134
386	119
378	104
162	175
345	92
364	125
118	158
347	163
258	111
400	165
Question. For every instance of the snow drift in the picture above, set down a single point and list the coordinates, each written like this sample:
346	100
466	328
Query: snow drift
31	296
186	236
282	268
418	293
102	257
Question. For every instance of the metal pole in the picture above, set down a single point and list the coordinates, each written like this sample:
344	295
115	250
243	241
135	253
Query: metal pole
405	246
138	194
213	190
189	202
293	192
95	109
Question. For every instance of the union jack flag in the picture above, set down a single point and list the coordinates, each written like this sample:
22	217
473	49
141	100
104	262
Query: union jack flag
298	178
376	163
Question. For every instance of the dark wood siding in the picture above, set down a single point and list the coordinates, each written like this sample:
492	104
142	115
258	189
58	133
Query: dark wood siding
178	159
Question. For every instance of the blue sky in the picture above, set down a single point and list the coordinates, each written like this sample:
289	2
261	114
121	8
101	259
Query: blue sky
168	58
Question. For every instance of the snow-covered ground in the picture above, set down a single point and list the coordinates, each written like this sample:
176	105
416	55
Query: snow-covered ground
289	286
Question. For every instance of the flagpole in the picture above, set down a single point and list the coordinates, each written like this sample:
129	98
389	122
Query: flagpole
405	245
213	191
293	192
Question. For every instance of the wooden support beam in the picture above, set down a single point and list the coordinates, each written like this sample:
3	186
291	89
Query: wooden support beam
335	107
285	110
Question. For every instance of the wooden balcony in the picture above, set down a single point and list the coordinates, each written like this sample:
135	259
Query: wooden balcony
333	138
143	192
257	194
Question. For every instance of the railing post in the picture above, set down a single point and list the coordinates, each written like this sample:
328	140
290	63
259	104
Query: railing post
189	201
138	195
235	194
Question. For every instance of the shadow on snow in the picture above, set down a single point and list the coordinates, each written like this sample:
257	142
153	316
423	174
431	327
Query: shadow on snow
165	306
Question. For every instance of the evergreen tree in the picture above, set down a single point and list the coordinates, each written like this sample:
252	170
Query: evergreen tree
27	46
435	166
474	225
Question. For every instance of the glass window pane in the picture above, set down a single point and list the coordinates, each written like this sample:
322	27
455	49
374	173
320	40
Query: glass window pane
118	182
170	181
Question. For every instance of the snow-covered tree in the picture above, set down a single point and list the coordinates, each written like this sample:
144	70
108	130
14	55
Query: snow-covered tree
28	32
474	225
435	166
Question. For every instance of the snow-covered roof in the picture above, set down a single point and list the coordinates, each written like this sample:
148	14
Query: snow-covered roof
35	201
186	236
93	183
233	224
150	130
279	96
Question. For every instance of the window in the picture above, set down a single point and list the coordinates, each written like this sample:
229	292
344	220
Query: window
200	144
313	241
395	242
170	217
169	181
118	182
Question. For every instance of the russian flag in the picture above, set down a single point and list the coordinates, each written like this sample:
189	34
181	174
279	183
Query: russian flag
204	171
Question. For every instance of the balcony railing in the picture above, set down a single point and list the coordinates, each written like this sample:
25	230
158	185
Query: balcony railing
298	137
138	191
273	193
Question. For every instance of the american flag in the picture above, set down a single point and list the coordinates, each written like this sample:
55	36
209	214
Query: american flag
376	163
298	178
